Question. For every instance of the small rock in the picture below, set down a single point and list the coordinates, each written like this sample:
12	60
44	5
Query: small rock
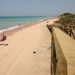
34	52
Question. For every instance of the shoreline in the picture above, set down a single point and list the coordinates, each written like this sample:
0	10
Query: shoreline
11	30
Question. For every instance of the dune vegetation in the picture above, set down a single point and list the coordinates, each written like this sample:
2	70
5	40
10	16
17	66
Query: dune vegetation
67	23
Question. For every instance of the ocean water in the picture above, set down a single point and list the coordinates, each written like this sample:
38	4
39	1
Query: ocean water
12	21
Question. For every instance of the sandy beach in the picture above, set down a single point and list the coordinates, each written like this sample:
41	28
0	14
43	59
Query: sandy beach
28	51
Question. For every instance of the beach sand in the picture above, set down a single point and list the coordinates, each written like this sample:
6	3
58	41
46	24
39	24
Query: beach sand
28	51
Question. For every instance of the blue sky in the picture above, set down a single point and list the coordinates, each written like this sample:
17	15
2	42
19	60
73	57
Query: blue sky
35	7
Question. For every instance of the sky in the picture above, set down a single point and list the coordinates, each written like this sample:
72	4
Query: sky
36	7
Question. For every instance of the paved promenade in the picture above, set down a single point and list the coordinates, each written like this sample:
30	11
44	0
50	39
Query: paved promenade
67	45
28	52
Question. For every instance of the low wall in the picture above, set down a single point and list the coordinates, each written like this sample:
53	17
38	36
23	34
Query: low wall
58	61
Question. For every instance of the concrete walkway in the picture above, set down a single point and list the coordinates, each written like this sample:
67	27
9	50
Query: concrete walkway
18	58
68	47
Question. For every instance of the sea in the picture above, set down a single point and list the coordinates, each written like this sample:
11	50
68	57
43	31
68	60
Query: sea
9	22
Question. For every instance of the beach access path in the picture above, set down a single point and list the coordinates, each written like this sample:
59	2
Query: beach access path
28	52
68	48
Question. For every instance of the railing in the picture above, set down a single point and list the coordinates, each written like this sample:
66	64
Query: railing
58	61
68	30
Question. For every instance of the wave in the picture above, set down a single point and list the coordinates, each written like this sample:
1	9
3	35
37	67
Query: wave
10	28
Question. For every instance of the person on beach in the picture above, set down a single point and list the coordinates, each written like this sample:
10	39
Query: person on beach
3	37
